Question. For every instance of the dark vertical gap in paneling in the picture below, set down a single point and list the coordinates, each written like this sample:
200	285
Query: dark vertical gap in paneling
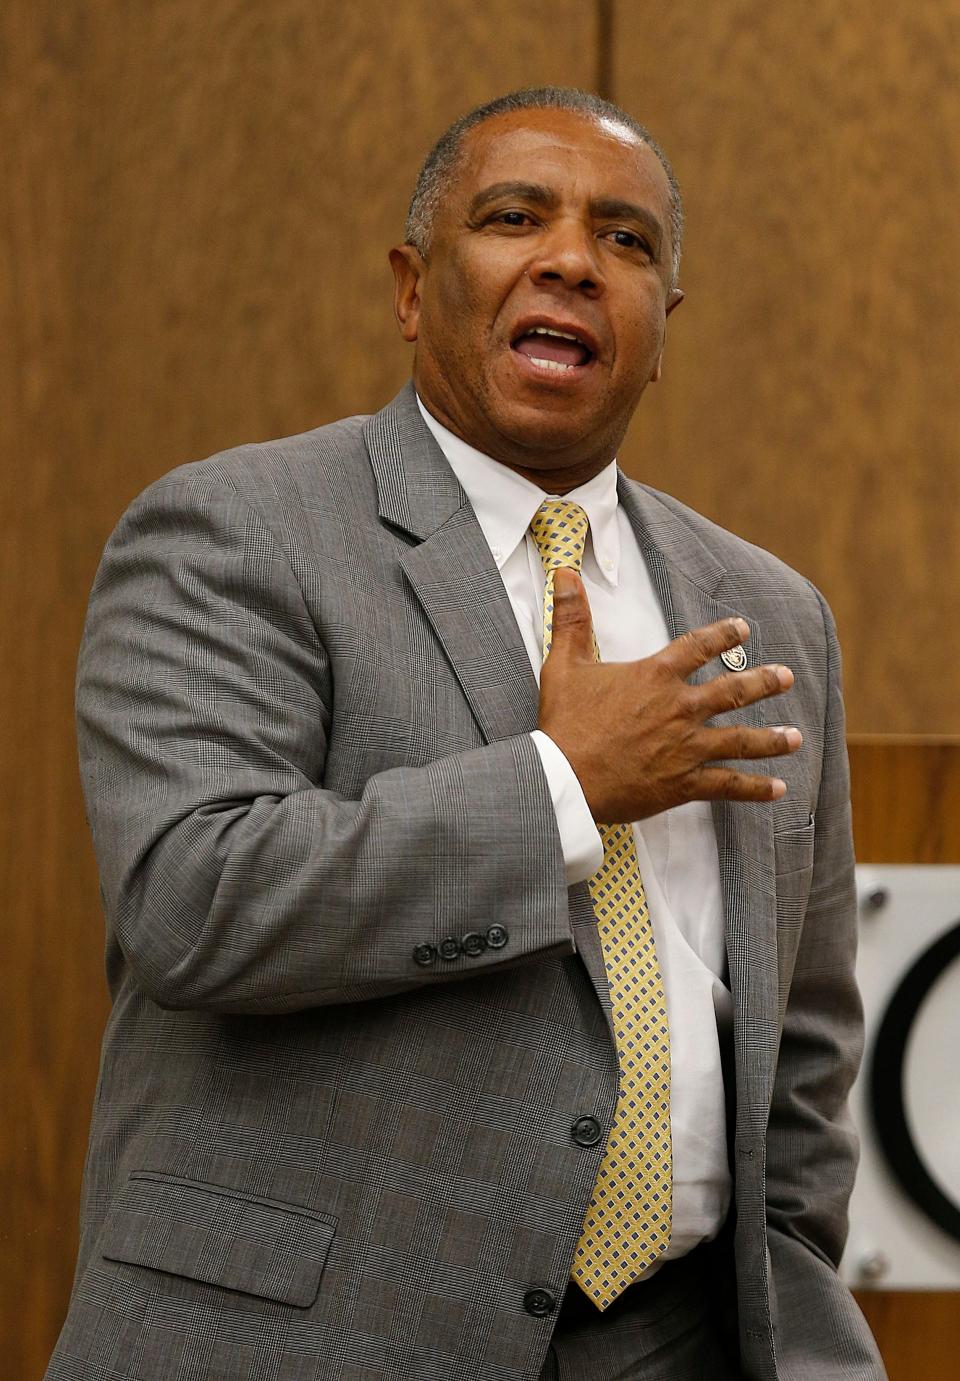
605	48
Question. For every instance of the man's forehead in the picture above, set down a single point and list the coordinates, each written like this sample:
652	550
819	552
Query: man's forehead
545	138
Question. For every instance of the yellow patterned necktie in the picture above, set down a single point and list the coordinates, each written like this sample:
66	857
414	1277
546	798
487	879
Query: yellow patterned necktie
628	1221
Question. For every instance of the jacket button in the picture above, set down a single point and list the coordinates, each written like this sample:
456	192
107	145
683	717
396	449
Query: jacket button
586	1131
449	947
424	955
539	1303
497	936
474	943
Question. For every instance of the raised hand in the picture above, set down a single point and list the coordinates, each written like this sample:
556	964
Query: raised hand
635	732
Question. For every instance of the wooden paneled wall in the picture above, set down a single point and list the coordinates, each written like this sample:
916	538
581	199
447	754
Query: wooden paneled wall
809	398
198	200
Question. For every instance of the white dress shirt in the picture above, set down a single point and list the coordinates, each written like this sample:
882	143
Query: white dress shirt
676	850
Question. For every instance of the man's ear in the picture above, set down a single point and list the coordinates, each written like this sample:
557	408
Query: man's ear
674	298
409	268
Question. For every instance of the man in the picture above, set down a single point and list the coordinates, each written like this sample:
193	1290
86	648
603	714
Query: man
414	1071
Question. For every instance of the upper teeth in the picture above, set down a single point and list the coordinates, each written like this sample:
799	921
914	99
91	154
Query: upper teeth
549	331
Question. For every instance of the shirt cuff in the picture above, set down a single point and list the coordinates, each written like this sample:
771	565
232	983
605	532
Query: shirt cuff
579	837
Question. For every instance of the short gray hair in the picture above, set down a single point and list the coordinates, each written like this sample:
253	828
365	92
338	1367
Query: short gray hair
443	161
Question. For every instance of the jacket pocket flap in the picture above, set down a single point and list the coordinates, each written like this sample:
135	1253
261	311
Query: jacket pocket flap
219	1236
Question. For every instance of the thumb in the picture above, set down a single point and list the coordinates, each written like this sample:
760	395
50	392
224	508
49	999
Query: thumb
572	620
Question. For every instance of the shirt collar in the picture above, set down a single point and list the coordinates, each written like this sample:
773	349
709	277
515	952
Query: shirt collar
504	502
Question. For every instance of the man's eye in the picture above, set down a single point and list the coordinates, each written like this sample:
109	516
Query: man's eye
627	239
512	218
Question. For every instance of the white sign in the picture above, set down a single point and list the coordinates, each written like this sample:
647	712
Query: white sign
905	1209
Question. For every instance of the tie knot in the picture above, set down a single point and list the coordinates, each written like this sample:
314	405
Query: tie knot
559	529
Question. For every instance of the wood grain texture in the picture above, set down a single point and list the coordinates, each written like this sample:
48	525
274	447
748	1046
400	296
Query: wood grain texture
917	1333
809	399
906	803
198	203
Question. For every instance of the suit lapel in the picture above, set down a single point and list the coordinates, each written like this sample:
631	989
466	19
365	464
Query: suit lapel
451	571
689	582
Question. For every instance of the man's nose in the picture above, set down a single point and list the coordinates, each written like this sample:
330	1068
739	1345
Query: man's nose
567	254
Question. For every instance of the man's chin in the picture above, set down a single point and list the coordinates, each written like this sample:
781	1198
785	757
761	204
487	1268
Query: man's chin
539	435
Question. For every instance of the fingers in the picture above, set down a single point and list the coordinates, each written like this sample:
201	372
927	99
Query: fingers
693	650
739	742
724	784
732	691
572	620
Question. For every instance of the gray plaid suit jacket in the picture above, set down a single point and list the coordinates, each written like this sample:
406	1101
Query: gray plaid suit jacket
304	708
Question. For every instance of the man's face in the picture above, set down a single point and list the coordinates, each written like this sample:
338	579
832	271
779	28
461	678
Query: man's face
557	226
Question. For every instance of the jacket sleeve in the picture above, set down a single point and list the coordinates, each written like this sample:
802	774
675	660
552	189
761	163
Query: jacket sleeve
812	1147
232	879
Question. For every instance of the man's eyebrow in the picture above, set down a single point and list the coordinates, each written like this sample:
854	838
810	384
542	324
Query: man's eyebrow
524	191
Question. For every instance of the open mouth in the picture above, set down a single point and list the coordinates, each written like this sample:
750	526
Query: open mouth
553	350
